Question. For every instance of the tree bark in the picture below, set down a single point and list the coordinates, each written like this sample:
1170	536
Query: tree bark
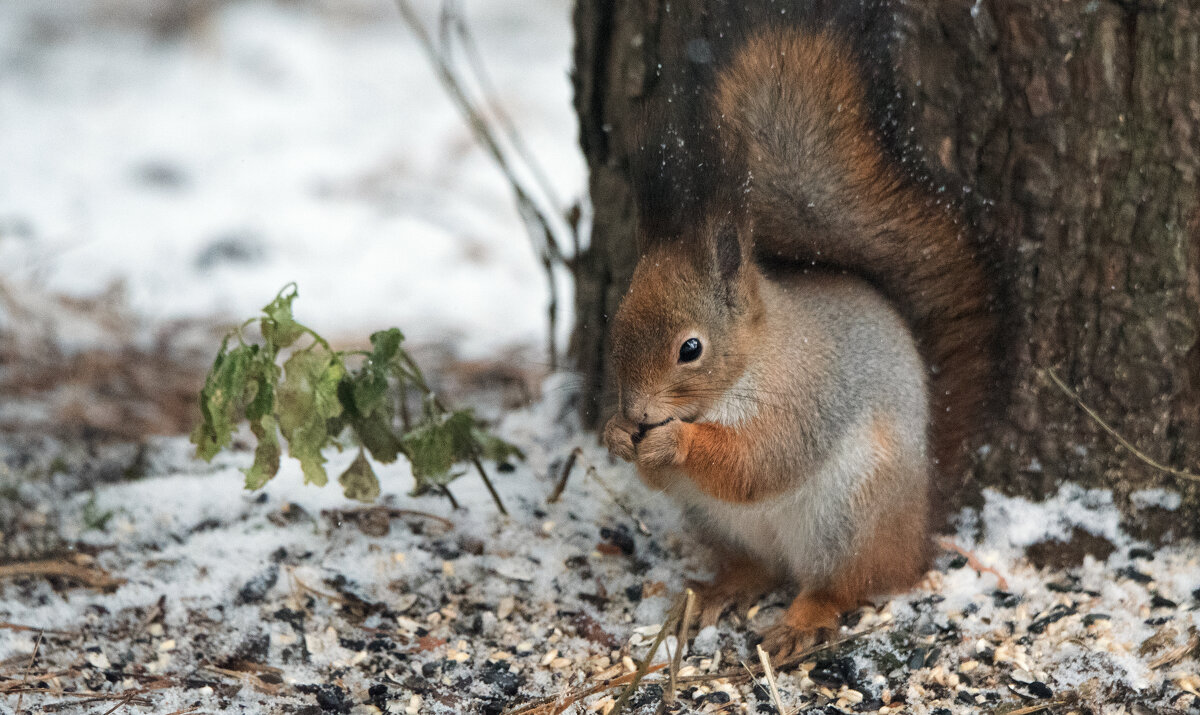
1076	127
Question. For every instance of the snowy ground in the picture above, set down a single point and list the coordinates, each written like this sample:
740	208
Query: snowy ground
285	602
201	157
203	154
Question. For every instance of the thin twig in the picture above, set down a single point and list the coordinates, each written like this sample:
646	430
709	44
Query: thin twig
1181	473
92	577
566	473
488	483
538	226
770	676
18	627
453	502
476	64
672	618
594	474
129	698
25	678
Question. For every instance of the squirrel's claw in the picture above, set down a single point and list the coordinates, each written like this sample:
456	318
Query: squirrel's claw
784	642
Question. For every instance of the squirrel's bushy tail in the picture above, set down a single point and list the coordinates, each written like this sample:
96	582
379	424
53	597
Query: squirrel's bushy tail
823	190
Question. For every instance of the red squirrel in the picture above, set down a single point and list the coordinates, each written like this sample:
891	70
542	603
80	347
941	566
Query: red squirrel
806	342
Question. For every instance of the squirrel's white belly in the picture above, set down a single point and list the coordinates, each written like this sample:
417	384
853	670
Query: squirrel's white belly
806	532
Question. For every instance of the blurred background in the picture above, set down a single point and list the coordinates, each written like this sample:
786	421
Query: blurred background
167	167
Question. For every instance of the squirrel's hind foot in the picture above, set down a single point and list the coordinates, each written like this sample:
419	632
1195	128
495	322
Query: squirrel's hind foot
811	619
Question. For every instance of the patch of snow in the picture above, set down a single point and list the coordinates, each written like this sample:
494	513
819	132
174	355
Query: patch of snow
278	142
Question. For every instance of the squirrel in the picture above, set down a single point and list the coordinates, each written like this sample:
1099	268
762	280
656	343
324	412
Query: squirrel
806	342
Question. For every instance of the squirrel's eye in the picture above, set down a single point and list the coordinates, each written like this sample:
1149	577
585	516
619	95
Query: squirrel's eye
690	350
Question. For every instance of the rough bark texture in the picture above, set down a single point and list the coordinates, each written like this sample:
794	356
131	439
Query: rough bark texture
1076	125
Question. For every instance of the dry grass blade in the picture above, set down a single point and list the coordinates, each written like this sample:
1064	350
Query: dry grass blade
88	576
557	703
672	619
1057	382
770	676
681	638
1178	653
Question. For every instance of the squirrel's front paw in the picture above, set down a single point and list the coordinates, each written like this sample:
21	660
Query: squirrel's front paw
618	437
663	445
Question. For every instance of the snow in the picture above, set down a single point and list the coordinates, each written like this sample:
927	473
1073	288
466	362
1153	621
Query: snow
312	143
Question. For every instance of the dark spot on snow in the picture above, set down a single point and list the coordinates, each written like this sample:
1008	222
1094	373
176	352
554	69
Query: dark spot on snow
1160	601
634	593
717	697
430	670
1056	614
1133	574
160	174
255	590
293	618
278	555
619	537
231	248
1139	553
1094	618
941	711
1039	689
1004	599
378	696
956	563
471	546
505	467
330	698
444	549
965	698
921	657
832	672
498	675
1160	620
650	694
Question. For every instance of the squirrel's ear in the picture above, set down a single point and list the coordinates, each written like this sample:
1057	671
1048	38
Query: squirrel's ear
728	251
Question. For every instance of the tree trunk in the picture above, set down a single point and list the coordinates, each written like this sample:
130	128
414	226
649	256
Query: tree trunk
1076	125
